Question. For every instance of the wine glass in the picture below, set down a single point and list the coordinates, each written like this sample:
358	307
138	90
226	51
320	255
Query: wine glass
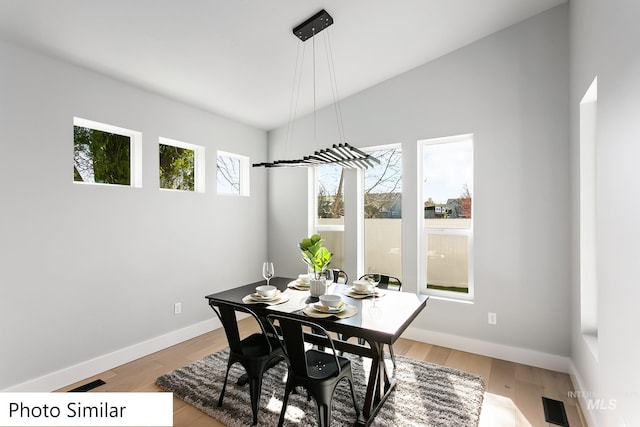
328	279
267	270
374	279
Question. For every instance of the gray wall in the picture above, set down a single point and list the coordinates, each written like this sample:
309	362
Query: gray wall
89	270
511	91
604	43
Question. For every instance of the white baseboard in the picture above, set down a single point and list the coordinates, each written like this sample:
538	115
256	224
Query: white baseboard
89	368
498	351
579	385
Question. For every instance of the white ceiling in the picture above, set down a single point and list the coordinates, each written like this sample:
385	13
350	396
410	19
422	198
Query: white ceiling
237	57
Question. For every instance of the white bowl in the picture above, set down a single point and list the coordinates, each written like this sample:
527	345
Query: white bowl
329	300
304	278
361	285
266	290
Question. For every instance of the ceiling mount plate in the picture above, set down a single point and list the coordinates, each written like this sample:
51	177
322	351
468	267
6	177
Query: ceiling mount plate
313	25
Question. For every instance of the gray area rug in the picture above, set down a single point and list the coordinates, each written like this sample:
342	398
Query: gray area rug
425	395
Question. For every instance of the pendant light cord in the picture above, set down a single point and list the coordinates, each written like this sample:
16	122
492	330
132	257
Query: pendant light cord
334	85
315	134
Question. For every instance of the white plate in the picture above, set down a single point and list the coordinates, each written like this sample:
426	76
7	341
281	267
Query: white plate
326	309
258	297
355	291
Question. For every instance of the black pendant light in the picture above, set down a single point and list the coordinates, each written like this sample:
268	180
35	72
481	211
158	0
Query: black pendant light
342	153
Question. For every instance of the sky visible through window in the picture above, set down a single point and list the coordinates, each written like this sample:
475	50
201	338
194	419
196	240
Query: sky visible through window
447	169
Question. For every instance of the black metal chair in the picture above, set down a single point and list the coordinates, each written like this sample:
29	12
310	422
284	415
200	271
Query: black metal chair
256	353
386	281
317	371
339	274
389	283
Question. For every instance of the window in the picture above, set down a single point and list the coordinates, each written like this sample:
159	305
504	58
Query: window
105	154
232	174
382	198
328	206
588	212
446	191
181	166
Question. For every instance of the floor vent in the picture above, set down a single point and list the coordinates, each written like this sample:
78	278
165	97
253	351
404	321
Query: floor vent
554	412
88	386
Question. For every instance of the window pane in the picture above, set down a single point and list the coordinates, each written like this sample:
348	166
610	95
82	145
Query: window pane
330	195
448	183
228	174
447	262
383	213
383	240
177	168
330	210
334	242
101	157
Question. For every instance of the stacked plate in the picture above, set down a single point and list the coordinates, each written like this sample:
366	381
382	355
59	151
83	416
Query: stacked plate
324	309
300	285
259	298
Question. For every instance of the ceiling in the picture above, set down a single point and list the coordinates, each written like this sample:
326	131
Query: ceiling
238	57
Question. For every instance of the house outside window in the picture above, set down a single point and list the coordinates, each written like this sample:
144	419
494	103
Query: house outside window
446	192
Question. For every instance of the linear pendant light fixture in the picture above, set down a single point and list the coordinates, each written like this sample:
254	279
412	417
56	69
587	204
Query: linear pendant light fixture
341	154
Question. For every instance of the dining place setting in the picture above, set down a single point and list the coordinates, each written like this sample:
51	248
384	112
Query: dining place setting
309	293
365	288
266	294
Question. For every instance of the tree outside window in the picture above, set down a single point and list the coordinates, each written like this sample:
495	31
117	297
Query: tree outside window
232	174
105	154
177	168
329	200
101	157
383	213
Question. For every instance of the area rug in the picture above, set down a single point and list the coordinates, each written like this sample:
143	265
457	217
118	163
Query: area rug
426	395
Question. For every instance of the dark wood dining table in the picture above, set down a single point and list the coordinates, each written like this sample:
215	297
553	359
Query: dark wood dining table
379	322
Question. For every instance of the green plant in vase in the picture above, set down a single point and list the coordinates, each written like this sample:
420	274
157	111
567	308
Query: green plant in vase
314	254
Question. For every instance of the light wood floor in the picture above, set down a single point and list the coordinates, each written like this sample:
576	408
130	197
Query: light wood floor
512	396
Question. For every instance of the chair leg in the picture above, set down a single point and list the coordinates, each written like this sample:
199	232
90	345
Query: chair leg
285	400
324	414
224	386
255	385
353	397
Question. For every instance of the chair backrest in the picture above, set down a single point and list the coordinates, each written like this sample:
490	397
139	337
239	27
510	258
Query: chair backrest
337	274
385	281
291	334
226	312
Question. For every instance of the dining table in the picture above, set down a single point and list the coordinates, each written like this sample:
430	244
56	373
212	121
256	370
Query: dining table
373	320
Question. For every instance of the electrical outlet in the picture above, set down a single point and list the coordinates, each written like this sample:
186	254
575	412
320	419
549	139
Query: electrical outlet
177	308
492	318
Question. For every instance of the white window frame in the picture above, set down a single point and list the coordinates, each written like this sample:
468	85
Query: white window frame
198	163
361	189
424	232
135	150
244	173
313	226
